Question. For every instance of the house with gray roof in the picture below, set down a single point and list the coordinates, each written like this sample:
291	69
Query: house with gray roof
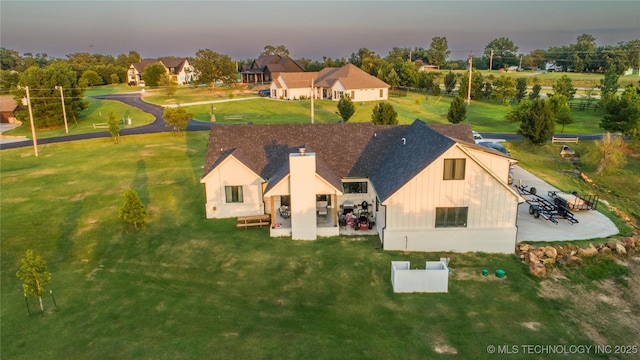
419	187
330	83
178	68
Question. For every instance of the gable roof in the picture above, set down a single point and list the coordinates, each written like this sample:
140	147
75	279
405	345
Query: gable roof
351	77
418	148
177	64
357	150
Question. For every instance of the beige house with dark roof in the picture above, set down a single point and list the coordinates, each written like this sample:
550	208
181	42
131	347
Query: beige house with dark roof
418	187
330	83
178	68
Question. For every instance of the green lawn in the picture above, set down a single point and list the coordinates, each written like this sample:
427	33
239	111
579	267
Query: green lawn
185	287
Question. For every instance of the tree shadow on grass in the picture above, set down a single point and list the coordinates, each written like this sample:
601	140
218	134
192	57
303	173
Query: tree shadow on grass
140	182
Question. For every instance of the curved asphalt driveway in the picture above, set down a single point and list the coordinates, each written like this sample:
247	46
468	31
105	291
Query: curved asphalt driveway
132	99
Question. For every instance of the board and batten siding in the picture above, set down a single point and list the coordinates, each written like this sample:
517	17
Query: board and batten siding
232	172
411	211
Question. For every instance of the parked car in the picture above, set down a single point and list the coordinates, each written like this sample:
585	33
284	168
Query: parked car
477	137
495	146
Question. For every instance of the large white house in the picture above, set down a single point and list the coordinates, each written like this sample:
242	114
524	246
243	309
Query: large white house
329	83
178	68
422	188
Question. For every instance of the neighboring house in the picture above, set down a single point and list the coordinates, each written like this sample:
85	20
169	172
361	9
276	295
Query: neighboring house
178	68
264	69
330	83
8	108
426	188
428	68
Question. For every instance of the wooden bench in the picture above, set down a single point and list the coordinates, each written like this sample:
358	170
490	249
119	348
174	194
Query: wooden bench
564	139
256	220
233	117
100	126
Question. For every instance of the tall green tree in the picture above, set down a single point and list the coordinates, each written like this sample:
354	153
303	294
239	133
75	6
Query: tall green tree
392	78
536	120
153	74
608	87
535	92
45	98
521	89
564	87
583	52
34	275
178	117
280	50
622	114
408	74
346	109
133	210
562	112
438	51
457	110
449	82
364	59
114	127
535	59
477	85
384	114
504	52
169	85
90	78
504	87
210	66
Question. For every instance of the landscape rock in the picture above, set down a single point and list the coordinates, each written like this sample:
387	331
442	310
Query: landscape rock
567	259
533	258
620	249
588	252
538	269
551	252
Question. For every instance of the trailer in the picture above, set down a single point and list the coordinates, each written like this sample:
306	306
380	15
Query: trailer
574	201
542	207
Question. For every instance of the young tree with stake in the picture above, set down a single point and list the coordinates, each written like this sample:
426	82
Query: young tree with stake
34	275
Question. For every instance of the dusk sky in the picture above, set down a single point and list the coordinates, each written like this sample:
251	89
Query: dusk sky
309	29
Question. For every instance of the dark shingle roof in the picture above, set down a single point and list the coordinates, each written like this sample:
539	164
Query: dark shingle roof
419	147
342	151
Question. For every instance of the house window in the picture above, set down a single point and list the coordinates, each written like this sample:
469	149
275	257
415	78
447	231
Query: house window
233	194
381	93
355	187
454	169
285	93
353	95
451	217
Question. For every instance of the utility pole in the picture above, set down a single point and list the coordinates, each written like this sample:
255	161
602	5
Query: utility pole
64	111
491	61
520	66
33	129
470	71
313	95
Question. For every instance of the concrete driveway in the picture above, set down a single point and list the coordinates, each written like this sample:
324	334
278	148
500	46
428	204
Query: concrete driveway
592	224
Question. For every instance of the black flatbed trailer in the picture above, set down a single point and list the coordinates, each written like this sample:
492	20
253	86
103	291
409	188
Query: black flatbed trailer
542	207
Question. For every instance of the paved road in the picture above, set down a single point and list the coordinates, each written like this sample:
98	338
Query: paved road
133	99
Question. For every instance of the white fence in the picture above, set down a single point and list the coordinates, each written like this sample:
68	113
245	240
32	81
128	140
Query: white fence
434	278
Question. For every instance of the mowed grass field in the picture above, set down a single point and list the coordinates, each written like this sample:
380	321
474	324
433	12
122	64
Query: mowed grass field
185	287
